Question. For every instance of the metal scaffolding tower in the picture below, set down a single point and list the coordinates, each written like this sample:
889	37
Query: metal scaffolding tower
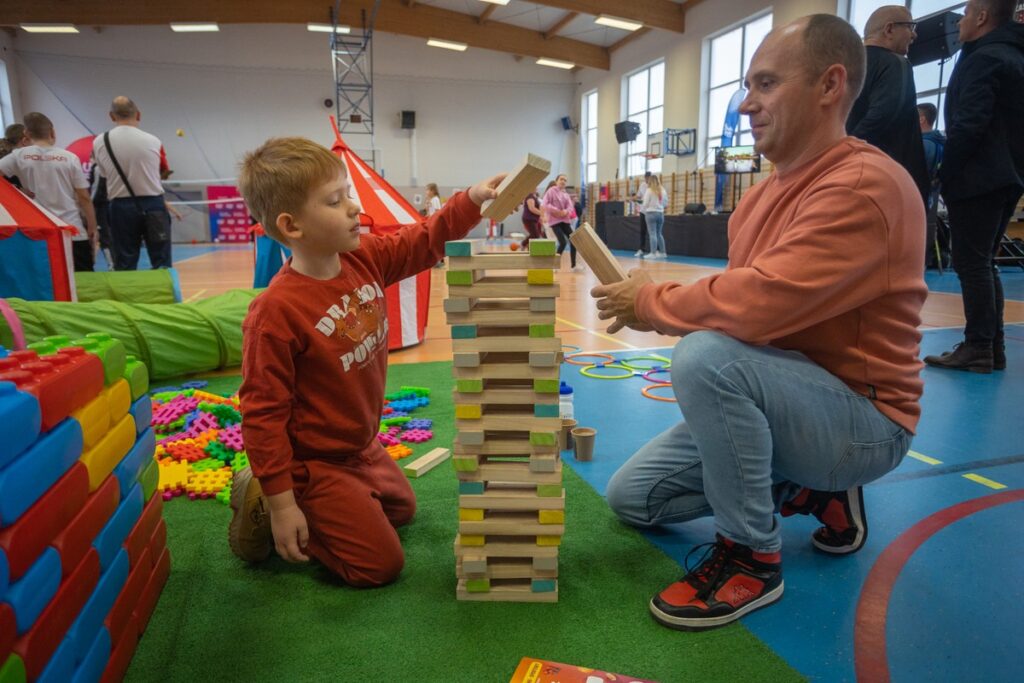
352	64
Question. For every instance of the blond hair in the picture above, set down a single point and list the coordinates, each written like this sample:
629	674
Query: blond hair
278	176
654	184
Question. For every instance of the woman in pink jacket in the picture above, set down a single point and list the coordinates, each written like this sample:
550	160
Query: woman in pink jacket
559	212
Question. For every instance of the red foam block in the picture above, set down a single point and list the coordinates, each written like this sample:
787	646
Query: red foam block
37	646
142	533
121	613
158	542
76	539
8	630
151	593
121	656
27	538
63	382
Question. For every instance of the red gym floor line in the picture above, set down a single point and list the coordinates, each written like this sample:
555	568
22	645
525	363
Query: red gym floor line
870	660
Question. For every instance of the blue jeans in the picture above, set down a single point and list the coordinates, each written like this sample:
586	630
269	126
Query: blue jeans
128	232
759	424
656	227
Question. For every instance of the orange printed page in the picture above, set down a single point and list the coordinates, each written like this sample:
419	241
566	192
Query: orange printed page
541	671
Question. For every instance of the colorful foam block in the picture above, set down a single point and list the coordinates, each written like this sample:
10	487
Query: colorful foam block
83	631
141	454
37	646
91	668
149	479
30	594
120	614
12	670
142	412
109	541
25	479
94	417
25	540
61	666
111	353
137	375
158	542
102	458
141	534
76	539
5	574
63	383
119	396
20	421
151	593
121	655
8	630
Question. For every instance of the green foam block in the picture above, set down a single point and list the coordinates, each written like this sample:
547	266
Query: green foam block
149	479
542	248
138	377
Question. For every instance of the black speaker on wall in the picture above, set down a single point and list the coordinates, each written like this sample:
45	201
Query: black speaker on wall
626	131
408	120
937	38
567	123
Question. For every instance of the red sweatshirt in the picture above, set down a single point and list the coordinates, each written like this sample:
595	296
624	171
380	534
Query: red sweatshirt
314	352
826	259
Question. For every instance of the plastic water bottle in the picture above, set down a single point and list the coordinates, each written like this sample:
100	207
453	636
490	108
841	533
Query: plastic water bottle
565	409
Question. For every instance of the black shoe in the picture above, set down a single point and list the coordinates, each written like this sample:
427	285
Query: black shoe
965	357
998	356
730	581
842	513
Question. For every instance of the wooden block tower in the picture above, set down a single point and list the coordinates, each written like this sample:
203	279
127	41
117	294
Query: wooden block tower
506	362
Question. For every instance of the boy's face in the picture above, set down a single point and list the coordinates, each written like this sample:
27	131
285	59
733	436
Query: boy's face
329	220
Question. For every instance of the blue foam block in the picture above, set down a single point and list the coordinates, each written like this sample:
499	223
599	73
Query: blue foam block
91	668
5	574
28	477
90	619
3	352
142	411
30	594
61	666
130	467
109	541
20	421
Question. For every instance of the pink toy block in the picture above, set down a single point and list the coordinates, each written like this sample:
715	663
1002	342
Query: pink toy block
232	437
387	440
417	435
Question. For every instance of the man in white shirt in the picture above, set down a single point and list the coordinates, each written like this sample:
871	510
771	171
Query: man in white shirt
56	178
137	210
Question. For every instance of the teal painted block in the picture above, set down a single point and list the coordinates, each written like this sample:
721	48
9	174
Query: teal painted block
463	331
545	410
458	248
543	585
473	488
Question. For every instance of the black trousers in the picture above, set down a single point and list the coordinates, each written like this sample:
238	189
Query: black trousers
977	225
643	233
81	252
128	230
563	231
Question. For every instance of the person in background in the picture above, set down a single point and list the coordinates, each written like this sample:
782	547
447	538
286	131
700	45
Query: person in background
934	144
560	212
531	219
14	138
56	177
433	200
652	208
644	232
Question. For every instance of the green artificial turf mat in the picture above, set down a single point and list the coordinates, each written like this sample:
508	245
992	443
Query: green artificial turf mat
221	620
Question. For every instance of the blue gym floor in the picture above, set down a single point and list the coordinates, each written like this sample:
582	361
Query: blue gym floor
954	612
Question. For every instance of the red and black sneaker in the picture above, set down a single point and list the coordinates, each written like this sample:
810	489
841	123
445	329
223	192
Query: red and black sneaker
730	581
842	513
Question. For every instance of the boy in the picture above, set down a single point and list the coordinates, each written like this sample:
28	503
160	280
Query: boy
314	361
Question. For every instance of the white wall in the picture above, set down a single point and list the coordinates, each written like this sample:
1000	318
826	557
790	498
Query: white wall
477	112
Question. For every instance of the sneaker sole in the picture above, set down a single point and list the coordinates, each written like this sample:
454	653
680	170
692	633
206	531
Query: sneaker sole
857	510
685	624
237	501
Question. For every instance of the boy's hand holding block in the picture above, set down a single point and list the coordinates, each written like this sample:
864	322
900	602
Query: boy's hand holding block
596	254
516	186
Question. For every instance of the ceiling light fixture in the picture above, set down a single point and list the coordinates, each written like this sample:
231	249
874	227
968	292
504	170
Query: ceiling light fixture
496	2
447	44
194	27
328	28
615	22
50	28
544	61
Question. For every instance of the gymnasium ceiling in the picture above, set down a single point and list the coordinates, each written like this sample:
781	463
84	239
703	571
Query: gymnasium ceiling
556	29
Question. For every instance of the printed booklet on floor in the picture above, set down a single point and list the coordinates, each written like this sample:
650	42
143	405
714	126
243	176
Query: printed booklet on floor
532	670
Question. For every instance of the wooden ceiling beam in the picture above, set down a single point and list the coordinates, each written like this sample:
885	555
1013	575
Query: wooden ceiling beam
628	39
394	16
654	13
486	14
559	25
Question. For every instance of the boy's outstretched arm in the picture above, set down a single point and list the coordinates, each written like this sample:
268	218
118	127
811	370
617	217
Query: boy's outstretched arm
291	532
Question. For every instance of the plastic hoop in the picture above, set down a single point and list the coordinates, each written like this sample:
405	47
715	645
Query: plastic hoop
661	385
588	371
654	371
571	348
603	356
662	363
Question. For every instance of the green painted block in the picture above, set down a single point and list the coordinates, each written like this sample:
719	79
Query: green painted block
545	386
542	438
543	585
459	277
469	386
542	248
545	410
458	248
149	479
539	330
549	490
478	585
465	464
13	670
473	488
138	377
463	331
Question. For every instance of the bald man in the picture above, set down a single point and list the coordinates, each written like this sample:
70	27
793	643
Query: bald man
885	114
797	373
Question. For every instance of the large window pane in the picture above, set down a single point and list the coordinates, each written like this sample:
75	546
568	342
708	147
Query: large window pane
637	93
591	144
755	33
636	165
656	120
592	110
718	104
726	53
922	8
654	165
657	85
591	173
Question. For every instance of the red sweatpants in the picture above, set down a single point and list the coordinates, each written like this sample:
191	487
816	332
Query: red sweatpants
352	508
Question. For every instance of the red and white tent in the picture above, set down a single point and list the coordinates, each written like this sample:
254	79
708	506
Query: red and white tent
385	211
35	250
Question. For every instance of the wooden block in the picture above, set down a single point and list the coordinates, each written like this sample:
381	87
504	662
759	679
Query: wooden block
550	491
505	547
548	463
540	277
472	488
594	251
543	248
515	590
470	515
546	386
542	305
503	287
542	330
549	541
510	523
469	438
466	463
461	248
461	277
545	409
422	465
507	344
458	305
465	360
502	395
475	564
499	497
549	516
503	445
499	313
505	261
478	585
512	472
504	568
515	423
468	412
544	359
516	185
542	564
489	370
470	541
468	386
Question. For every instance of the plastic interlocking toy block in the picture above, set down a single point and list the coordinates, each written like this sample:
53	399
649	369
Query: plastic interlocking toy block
173	475
387	440
207	464
398	452
219	451
417	435
187	450
417	391
196	384
240	461
209	482
232	437
419	423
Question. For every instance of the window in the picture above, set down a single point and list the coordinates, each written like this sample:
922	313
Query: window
729	59
6	107
645	104
589	137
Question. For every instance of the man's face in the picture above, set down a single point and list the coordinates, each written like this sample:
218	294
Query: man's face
969	25
904	33
330	218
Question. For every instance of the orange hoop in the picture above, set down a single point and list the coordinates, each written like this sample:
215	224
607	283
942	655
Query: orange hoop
603	356
660	385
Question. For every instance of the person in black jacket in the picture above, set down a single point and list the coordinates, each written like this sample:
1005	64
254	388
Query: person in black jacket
982	172
885	114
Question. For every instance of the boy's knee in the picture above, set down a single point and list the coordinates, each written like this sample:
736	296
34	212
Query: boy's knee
384	569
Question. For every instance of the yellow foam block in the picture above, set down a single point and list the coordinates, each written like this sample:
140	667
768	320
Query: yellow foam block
468	412
551	517
470	515
94	417
173	475
102	458
119	398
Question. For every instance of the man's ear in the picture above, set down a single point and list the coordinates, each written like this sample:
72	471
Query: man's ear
287	226
833	83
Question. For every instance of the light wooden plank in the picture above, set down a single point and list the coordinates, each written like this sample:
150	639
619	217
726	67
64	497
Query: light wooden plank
506	422
516	185
518	590
505	396
595	252
509	447
510	523
512	472
506	344
503	287
506	568
505	371
424	464
498	498
506	546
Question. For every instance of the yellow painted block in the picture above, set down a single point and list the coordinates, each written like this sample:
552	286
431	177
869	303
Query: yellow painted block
472	540
119	396
545	540
470	515
468	412
551	516
540	277
94	417
102	458
173	475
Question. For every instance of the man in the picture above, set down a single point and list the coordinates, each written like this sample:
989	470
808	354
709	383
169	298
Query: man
885	114
798	365
982	173
639	198
934	145
56	178
145	216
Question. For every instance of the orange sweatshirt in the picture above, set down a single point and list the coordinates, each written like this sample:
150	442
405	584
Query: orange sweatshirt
826	259
314	352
